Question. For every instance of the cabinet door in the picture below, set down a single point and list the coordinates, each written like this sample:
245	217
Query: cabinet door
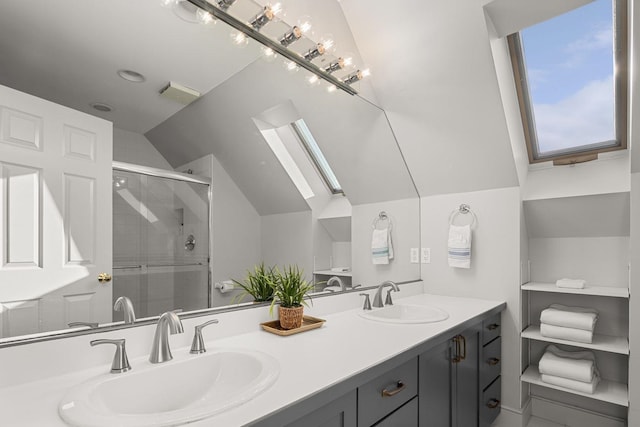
338	413
466	381
435	390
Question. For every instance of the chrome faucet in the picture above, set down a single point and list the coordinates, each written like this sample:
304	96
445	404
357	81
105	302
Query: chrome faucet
169	322
377	299
120	362
336	279
125	305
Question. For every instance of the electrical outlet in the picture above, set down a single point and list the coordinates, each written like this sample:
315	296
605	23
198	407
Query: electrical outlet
415	256
426	255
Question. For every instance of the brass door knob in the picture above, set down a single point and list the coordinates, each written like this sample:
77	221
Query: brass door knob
104	277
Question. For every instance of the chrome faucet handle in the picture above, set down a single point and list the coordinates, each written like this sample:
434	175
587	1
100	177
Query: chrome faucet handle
120	362
91	325
125	305
388	300
197	345
367	301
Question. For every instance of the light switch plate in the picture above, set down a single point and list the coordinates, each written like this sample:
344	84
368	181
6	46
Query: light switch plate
415	256
426	255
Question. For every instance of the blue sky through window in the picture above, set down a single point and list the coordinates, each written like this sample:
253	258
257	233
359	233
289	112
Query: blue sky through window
570	69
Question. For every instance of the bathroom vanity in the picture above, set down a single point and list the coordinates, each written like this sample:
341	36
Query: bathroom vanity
351	372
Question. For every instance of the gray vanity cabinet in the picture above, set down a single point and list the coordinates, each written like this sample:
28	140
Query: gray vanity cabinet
455	383
449	382
338	413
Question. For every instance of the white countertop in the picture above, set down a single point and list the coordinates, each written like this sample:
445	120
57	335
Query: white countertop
309	362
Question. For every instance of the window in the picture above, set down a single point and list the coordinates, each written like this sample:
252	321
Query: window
571	79
309	143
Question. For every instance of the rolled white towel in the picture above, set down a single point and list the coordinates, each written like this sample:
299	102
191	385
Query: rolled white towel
570	317
573	365
571	283
569	334
589	387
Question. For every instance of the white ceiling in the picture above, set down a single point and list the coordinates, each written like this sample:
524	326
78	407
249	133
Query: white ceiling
69	52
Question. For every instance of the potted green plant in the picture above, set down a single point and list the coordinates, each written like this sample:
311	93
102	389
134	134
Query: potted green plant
290	291
259	283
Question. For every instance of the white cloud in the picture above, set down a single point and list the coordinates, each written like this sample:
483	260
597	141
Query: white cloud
578	50
582	118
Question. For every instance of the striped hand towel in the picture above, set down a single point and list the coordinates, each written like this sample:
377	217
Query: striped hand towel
460	246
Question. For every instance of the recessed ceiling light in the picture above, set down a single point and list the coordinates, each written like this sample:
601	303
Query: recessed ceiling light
132	76
101	107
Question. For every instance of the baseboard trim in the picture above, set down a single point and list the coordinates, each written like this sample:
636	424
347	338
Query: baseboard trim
571	416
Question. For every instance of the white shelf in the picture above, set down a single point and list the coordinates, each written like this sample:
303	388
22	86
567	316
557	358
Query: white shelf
604	291
600	342
607	391
334	273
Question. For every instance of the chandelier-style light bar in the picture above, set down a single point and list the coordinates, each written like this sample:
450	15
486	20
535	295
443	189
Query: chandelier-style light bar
280	47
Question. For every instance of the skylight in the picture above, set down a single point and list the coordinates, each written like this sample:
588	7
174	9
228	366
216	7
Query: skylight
310	144
571	76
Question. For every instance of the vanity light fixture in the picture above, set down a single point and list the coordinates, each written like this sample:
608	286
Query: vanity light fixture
263	18
225	4
338	64
251	29
356	76
296	32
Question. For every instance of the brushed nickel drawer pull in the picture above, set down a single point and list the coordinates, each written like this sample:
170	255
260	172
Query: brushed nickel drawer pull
493	361
493	326
493	403
399	387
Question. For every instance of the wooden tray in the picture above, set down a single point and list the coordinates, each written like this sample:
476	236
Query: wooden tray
308	323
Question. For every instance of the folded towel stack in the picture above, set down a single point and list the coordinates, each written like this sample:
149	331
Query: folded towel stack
568	323
575	370
570	283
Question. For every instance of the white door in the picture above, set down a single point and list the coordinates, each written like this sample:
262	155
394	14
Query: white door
55	215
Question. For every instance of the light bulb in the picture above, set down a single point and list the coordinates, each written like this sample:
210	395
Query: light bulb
291	66
268	54
263	18
366	72
331	88
205	17
313	80
305	24
314	52
239	38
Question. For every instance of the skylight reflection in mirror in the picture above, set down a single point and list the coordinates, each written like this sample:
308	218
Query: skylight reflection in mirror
310	144
570	72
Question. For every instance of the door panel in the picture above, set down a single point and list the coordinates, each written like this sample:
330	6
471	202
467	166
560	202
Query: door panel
55	214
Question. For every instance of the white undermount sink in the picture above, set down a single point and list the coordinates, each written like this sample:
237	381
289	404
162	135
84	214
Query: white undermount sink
406	313
172	393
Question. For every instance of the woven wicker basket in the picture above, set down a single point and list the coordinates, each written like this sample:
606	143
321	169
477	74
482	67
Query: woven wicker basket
290	317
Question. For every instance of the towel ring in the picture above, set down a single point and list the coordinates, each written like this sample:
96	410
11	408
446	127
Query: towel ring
464	209
382	216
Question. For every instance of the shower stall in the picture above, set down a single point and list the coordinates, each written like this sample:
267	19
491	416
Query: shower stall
160	240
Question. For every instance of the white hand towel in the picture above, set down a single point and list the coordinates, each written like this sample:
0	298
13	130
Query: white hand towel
569	334
459	246
381	246
570	283
589	387
573	365
570	317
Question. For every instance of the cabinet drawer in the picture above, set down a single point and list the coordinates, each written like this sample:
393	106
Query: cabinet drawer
384	394
490	328
490	403
407	416
491	362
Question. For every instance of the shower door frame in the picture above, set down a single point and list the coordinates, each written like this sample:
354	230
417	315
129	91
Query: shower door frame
177	176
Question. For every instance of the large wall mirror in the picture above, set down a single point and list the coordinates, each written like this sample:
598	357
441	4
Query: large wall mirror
202	193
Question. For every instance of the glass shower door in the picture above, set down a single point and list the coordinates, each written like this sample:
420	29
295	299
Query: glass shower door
161	243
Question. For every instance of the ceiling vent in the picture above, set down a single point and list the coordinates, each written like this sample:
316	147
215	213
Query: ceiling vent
178	93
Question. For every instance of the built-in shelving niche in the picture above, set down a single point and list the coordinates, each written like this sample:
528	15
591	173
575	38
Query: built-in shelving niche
585	237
